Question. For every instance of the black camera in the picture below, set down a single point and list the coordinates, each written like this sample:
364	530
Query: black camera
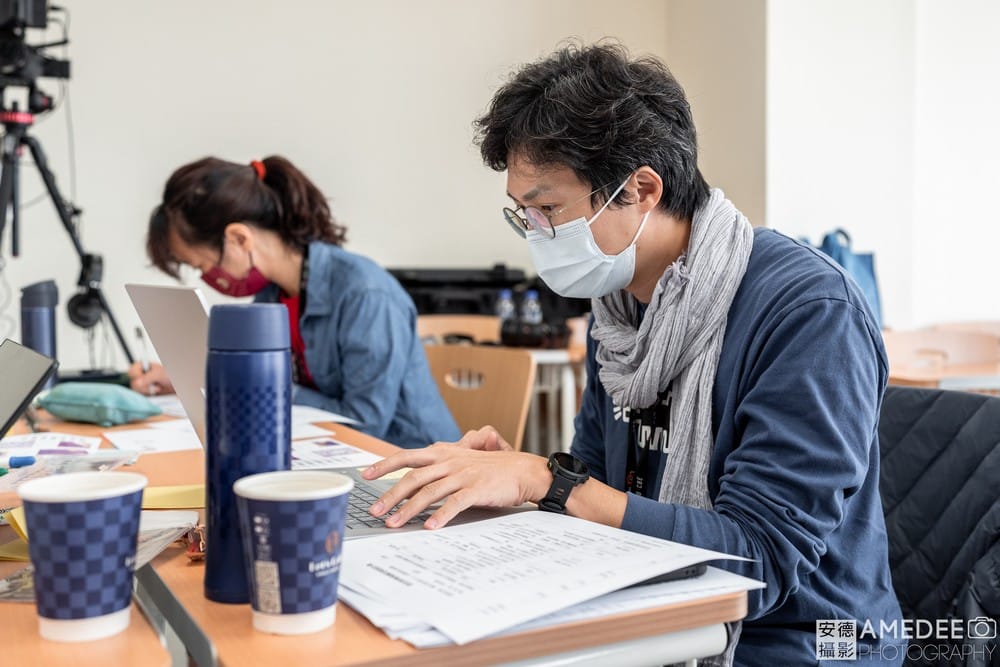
21	64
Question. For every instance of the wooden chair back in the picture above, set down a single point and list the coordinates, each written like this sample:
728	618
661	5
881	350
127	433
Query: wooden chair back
938	348
485	386
477	328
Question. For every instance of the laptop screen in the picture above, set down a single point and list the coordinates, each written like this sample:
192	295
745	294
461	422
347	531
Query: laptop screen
24	373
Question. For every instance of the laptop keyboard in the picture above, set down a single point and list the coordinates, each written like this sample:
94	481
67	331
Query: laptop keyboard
360	500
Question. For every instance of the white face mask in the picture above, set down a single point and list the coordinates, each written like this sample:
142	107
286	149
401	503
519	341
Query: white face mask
573	265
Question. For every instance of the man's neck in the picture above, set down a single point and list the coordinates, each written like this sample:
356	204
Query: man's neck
667	242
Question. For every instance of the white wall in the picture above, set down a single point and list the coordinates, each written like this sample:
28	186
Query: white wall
957	175
375	100
840	131
717	49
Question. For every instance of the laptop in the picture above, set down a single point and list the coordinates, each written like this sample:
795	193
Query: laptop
24	372
176	321
176	318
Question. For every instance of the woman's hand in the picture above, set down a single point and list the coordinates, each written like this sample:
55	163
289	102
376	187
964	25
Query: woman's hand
481	470
151	382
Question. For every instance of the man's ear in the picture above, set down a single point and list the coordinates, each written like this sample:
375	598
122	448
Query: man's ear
241	235
649	188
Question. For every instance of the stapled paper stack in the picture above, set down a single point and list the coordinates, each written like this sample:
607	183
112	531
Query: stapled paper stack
471	581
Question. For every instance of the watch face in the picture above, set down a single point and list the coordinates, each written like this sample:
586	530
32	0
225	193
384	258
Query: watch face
570	463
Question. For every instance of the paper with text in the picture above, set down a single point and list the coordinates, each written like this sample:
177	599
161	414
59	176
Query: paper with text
480	578
154	440
329	453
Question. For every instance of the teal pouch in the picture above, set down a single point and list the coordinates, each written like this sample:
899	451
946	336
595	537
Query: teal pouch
97	403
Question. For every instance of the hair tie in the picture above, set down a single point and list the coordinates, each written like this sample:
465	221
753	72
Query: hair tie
259	167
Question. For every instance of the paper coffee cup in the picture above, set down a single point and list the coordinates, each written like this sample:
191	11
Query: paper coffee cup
292	525
82	530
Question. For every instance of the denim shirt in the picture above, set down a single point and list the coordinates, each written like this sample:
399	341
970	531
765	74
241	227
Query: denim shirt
363	352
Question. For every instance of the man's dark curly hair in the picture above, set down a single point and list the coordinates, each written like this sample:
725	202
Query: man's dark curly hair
603	115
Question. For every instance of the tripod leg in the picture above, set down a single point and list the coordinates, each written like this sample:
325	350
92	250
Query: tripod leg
8	179
65	215
15	206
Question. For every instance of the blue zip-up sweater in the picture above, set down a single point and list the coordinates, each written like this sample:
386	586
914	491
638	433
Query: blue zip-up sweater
795	468
363	352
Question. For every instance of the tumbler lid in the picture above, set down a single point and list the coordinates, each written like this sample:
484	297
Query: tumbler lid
247	327
40	295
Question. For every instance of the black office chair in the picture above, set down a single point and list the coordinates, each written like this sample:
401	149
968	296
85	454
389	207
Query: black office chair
940	487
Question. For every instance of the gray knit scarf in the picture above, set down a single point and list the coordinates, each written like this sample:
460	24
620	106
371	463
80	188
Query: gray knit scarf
678	341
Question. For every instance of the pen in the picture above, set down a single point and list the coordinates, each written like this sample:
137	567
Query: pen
144	355
154	388
8	461
3	471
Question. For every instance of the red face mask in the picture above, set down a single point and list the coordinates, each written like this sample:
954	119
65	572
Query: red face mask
222	281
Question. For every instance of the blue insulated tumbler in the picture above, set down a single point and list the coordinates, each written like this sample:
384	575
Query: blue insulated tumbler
248	393
38	319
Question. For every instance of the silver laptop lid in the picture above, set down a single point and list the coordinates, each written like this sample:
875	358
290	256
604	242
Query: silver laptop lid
176	320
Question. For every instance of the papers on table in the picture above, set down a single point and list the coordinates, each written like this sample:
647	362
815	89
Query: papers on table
55	452
170	404
173	435
304	414
399	625
157	530
155	440
478	579
328	453
38	444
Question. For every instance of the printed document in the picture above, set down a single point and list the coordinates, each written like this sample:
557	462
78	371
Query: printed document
478	579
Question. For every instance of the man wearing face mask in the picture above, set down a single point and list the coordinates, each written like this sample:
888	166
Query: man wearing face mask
734	375
264	229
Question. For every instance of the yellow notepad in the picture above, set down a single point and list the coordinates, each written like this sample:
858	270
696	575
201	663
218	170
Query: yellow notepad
188	496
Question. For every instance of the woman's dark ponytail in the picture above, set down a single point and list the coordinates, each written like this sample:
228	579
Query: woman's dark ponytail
302	209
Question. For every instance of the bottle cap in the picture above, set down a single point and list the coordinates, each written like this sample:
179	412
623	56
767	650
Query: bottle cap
531	294
40	295
248	327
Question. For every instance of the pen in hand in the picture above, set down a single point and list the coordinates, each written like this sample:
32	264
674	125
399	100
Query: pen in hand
153	388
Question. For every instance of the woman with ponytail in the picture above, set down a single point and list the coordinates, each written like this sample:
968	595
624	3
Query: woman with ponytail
264	229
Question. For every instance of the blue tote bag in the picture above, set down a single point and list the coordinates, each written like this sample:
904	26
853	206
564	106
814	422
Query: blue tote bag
859	265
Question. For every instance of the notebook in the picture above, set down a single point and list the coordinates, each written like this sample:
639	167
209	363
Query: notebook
24	372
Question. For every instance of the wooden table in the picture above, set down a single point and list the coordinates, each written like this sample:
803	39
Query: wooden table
138	646
962	377
217	633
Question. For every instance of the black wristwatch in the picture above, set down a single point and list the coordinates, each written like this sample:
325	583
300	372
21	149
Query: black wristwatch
567	473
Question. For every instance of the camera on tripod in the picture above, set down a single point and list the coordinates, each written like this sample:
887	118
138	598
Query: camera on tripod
22	64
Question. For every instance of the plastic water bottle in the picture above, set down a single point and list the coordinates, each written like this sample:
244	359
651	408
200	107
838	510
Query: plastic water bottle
248	392
531	308
505	306
38	319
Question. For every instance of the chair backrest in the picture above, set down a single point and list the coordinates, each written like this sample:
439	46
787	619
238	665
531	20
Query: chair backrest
477	328
938	348
940	462
485	386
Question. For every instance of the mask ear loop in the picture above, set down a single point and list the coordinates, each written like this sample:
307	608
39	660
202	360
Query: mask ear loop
641	226
610	199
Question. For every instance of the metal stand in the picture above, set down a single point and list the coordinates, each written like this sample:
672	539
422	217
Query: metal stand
90	302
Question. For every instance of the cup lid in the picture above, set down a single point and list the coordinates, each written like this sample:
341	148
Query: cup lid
293	485
248	327
81	486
